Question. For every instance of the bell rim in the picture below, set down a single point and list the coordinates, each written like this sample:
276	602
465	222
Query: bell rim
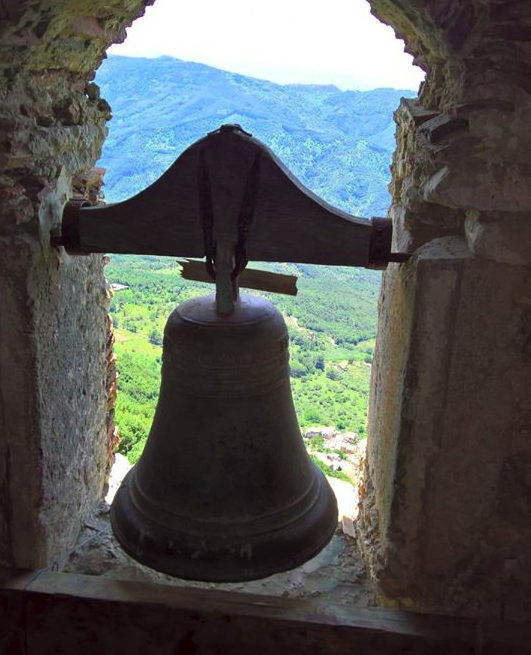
230	565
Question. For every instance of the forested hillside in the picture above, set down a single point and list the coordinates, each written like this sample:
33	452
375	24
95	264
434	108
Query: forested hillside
338	143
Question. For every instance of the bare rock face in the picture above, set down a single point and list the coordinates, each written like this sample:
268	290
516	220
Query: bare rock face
121	466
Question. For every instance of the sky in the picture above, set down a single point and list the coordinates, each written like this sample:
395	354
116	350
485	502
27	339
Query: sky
287	41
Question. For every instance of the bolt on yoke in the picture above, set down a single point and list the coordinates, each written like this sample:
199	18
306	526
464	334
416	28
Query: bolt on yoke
229	199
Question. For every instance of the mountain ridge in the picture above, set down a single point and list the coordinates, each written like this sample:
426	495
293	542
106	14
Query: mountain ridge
338	143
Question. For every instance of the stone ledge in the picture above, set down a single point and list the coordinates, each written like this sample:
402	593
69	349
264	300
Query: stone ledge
55	614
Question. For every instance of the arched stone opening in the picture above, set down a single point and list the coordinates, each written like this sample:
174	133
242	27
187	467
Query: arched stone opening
445	509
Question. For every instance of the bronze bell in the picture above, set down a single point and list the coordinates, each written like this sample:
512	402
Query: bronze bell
224	490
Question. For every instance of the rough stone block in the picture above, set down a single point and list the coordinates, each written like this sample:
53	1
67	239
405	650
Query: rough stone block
500	236
53	400
448	416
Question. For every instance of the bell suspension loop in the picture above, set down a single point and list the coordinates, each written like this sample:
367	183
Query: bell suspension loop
227	287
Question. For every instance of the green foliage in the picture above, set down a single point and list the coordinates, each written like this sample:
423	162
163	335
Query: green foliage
329	381
138	386
328	470
155	337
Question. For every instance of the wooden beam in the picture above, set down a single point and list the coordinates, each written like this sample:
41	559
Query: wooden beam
55	614
289	222
249	278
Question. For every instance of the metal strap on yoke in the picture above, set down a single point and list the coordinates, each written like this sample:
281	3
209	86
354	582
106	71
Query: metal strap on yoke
204	189
245	216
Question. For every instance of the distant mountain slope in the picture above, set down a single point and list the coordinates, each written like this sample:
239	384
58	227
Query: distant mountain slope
339	143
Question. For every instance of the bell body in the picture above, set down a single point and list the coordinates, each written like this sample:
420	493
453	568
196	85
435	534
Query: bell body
224	490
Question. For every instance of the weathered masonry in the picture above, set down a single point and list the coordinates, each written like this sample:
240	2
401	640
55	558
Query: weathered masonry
446	503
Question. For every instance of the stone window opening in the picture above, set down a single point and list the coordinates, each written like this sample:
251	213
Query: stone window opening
444	505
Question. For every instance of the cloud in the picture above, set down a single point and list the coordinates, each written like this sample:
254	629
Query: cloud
302	41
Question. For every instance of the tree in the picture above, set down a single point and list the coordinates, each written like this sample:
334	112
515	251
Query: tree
155	337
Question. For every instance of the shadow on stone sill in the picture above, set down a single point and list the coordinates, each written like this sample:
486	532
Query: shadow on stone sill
337	574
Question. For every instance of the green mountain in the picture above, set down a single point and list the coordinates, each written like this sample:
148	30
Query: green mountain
338	143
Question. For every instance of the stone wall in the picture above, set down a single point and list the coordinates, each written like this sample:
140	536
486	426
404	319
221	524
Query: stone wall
53	432
447	495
